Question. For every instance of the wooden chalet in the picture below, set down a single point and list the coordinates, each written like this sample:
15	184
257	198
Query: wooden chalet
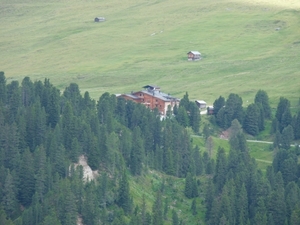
194	56
210	110
201	104
152	97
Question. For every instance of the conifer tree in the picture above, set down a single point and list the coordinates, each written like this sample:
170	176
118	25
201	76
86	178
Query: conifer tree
182	117
137	152
52	106
51	219
40	174
14	100
218	104
194	207
9	197
157	211
287	137
243	206
188	188
261	213
297	126
194	117
221	169
251	122
175	220
184	102
124	199
27	184
3	90
262	97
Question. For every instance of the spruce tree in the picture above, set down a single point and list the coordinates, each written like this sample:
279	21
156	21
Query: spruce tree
251	122
262	97
9	195
188	188
221	169
157	211
194	207
287	137
3	90
175	220
218	104
27	183
124	198
137	152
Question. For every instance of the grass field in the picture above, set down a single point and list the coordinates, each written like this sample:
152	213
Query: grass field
146	41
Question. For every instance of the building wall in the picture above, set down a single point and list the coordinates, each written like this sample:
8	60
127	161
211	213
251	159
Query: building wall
152	102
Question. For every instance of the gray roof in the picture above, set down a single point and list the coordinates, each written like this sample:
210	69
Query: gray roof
130	95
163	96
195	52
201	101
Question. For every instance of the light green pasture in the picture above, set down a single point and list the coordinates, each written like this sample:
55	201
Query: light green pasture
146	41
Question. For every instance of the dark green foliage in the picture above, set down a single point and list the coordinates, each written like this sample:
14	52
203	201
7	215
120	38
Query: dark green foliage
137	152
157	210
233	110
9	195
251	122
206	131
296	126
52	107
188	188
72	94
276	204
194	117
218	104
194	207
13	100
182	117
42	135
287	137
51	219
221	169
283	113
188	114
124	199
26	173
185	102
3	90
166	208
262	97
175	220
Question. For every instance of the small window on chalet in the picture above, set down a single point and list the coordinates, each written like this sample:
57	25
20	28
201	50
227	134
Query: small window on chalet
140	94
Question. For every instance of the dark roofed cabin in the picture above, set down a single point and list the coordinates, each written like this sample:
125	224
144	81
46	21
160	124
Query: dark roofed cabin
152	88
194	56
99	19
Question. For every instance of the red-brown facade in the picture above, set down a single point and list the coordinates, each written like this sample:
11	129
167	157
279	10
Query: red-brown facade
152	98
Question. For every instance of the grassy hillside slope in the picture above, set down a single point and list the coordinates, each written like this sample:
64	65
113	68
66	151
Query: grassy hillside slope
146	41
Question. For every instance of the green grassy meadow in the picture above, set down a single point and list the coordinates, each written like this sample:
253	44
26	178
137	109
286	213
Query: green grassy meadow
145	42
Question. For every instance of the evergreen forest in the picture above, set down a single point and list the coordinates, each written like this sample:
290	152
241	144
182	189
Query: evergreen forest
44	131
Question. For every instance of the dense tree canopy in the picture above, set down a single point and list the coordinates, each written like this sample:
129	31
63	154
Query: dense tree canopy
43	133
